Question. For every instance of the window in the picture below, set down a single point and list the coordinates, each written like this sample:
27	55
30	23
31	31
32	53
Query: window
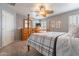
74	19
26	23
43	25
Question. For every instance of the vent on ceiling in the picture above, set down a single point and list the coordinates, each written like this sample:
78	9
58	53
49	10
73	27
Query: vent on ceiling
12	4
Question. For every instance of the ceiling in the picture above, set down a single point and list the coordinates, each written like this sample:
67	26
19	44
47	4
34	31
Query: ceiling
25	8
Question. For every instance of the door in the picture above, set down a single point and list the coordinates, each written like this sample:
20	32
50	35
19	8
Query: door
7	28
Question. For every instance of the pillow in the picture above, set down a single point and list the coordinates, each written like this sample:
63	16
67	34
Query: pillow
74	31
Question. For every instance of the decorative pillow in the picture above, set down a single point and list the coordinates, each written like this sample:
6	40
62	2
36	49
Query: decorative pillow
74	30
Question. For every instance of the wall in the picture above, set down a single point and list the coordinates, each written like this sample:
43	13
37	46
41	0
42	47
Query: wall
64	19
19	25
0	27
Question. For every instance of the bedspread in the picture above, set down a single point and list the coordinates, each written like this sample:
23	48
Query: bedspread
44	42
67	46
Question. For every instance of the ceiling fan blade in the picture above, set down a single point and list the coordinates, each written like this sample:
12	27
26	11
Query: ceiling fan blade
49	11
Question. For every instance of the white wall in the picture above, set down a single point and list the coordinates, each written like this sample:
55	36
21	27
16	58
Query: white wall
0	28
64	18
19	21
19	25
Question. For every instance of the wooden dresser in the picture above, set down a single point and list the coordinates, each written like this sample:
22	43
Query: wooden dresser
36	30
25	33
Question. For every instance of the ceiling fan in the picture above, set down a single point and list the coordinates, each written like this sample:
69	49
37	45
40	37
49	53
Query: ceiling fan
43	11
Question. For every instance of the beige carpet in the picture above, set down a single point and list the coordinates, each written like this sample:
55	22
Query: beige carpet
18	49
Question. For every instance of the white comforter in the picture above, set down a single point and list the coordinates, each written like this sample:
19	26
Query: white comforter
44	42
67	46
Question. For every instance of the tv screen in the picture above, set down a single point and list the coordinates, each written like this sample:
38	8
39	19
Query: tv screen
38	24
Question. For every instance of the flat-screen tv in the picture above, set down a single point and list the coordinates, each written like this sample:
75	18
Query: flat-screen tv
38	24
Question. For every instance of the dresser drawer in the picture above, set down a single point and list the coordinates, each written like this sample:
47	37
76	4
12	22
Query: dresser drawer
25	34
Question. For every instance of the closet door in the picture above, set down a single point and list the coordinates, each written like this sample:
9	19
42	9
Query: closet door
7	28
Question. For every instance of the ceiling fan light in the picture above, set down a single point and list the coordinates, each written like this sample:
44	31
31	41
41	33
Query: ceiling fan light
43	11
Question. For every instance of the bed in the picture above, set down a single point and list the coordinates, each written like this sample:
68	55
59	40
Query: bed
45	42
67	45
56	43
